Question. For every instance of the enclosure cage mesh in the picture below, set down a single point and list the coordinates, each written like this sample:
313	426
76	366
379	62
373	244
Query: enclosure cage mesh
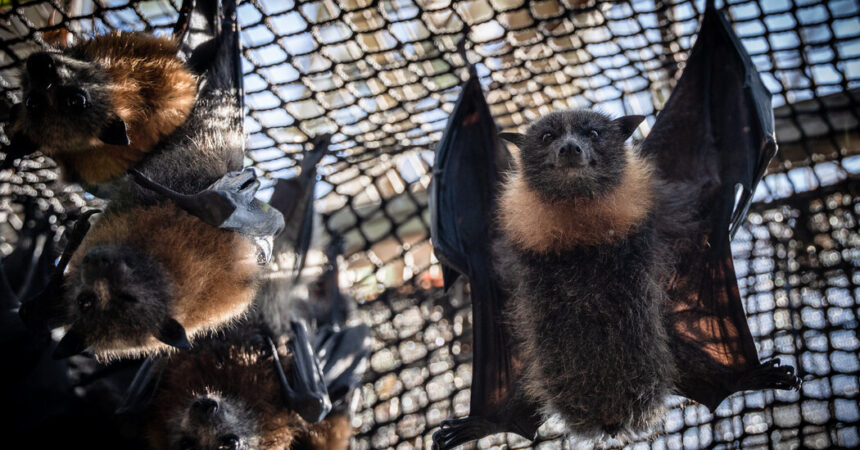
383	77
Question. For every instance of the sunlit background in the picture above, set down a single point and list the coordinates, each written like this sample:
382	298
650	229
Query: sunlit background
383	76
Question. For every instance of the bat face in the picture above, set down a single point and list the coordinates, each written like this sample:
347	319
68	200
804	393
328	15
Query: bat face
575	153
117	300
67	105
214	422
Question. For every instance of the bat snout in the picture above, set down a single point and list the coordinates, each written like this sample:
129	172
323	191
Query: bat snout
571	155
203	409
41	68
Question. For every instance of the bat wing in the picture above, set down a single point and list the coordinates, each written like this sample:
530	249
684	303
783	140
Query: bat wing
343	355
142	389
304	387
715	135
466	176
46	310
209	44
228	203
294	198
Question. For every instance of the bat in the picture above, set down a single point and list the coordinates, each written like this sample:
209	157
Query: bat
294	197
602	276
282	378
170	107
100	106
143	279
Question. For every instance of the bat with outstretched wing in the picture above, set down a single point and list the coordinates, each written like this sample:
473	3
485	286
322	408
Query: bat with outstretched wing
715	133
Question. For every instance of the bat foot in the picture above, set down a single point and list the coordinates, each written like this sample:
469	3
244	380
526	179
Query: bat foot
771	375
455	432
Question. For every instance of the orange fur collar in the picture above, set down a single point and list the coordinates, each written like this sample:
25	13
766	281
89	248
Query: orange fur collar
535	225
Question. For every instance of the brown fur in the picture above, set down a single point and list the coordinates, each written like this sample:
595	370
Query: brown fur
533	224
331	434
245	373
213	270
152	91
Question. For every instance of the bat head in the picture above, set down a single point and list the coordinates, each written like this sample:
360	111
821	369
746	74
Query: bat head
574	153
67	105
214	421
117	299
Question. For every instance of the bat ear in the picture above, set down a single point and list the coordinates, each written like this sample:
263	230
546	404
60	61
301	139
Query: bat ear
115	133
173	334
514	138
73	343
628	124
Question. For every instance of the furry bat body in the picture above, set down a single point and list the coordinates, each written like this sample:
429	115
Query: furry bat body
152	276
588	272
601	277
226	394
171	107
100	106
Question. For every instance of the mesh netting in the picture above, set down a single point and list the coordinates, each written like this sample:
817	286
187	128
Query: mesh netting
383	76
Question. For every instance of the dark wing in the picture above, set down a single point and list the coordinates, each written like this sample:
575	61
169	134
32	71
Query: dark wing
209	43
342	351
466	175
342	354
303	386
228	203
32	384
715	135
142	389
294	198
46	310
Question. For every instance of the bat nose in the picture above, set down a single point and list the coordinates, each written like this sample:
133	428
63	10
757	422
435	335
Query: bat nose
570	149
41	67
571	154
204	407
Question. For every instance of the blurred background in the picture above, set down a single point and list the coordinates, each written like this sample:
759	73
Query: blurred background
383	76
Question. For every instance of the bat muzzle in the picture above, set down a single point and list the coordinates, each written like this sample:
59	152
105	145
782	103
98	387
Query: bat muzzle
572	155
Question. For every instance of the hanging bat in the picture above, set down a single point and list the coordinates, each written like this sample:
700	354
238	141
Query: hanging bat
170	106
143	279
602	277
294	197
282	378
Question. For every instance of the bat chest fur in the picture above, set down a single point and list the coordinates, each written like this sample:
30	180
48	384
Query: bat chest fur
592	319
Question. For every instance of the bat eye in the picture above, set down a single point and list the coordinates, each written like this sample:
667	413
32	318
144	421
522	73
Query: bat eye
593	134
546	137
186	443
32	102
228	442
86	300
76	100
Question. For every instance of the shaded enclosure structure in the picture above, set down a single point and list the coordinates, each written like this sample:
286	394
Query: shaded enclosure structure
383	76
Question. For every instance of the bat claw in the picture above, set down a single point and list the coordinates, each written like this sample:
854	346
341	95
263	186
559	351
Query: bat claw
453	432
771	375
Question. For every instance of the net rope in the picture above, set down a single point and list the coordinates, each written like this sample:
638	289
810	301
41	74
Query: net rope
383	77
